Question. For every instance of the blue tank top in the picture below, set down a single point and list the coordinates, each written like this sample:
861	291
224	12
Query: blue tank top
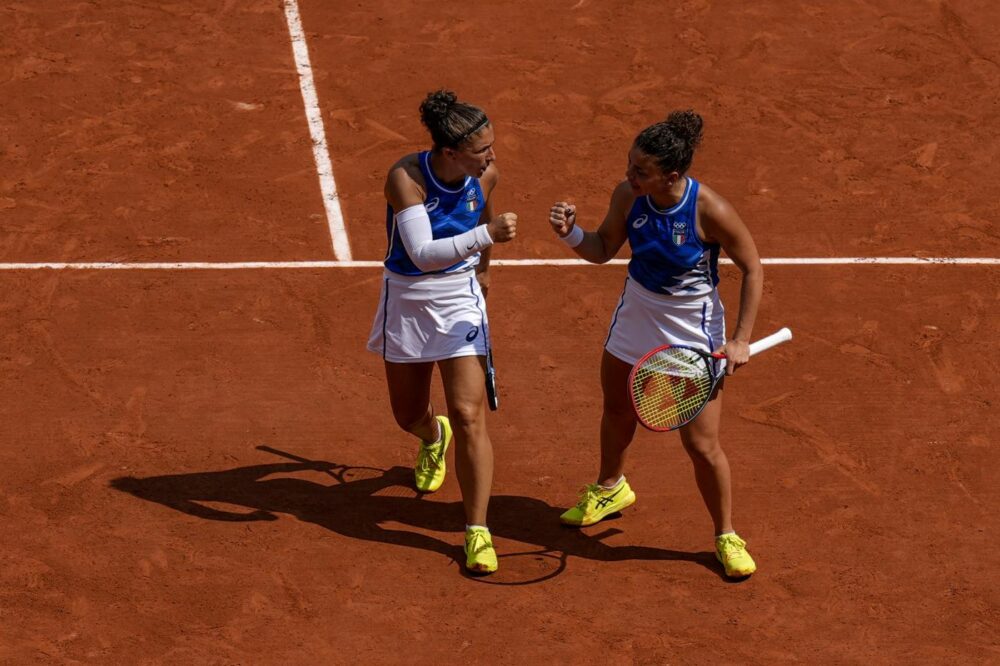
667	255
452	212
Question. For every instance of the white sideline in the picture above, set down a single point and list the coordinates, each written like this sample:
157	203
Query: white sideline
252	265
324	167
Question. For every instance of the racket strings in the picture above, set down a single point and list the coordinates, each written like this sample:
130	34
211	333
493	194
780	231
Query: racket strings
671	387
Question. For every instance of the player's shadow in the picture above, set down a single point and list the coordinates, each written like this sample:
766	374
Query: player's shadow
360	501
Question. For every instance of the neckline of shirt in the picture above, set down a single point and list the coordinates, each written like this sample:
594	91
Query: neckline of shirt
678	206
430	173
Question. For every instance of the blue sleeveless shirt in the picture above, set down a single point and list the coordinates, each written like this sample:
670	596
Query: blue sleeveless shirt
667	255
452	212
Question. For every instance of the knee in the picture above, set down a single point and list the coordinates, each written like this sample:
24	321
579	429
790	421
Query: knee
706	450
465	415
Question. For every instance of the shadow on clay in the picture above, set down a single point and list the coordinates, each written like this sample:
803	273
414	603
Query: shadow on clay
360	501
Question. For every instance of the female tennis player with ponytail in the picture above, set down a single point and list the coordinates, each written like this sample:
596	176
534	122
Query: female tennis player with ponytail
676	228
432	309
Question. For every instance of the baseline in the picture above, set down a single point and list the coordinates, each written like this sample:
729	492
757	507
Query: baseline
254	265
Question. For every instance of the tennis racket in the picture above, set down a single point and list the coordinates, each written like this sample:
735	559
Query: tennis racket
670	385
491	376
491	382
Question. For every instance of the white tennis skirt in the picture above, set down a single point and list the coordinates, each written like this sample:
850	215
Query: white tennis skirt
645	320
429	318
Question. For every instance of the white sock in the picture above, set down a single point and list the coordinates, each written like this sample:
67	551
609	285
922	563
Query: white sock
440	432
615	484
469	527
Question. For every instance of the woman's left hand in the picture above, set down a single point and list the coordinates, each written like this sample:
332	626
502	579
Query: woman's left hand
737	354
484	282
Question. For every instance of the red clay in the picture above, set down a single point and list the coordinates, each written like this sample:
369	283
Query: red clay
201	466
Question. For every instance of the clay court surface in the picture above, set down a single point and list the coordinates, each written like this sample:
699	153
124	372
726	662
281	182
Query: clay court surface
199	466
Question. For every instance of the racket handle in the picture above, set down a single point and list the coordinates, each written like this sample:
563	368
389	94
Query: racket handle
784	335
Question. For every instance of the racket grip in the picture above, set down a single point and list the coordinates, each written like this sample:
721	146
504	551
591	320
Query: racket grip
783	335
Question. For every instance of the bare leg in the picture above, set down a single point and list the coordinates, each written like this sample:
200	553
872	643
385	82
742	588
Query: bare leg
618	421
465	391
410	397
711	467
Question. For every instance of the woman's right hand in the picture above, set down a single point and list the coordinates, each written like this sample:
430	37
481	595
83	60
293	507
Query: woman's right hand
503	228
562	217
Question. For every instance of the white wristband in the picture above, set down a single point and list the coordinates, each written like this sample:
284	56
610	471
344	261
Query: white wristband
574	237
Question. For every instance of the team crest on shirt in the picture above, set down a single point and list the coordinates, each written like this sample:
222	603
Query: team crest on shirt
679	232
471	199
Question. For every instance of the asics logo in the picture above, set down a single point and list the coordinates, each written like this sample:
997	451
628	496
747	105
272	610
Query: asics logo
432	204
639	221
471	335
604	501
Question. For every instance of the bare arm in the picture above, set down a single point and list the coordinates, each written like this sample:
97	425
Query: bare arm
720	223
599	246
489	182
404	184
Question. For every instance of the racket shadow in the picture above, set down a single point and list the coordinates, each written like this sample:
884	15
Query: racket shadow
533	521
358	501
349	506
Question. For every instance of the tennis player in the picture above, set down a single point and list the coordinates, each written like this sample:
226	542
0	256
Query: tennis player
676	228
432	310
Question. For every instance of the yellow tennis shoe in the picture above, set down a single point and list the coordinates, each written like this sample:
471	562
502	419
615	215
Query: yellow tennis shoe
480	557
430	468
731	550
597	502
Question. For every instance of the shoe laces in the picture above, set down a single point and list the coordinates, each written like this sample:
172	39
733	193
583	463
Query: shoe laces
731	545
478	542
588	493
430	456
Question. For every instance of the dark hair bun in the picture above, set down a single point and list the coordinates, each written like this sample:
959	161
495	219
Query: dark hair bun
672	142
686	125
436	106
450	121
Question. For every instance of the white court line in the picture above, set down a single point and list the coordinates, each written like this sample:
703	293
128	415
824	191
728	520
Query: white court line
252	265
327	185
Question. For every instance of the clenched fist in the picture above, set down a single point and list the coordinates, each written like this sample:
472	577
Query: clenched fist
503	228
562	217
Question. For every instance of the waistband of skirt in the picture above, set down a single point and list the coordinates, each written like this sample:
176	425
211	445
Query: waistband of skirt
632	286
430	278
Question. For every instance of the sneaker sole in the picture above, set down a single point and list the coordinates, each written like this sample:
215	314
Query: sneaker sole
617	508
736	573
740	574
429	489
479	568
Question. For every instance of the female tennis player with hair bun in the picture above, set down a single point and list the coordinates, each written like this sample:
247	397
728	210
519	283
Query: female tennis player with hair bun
676	228
432	310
